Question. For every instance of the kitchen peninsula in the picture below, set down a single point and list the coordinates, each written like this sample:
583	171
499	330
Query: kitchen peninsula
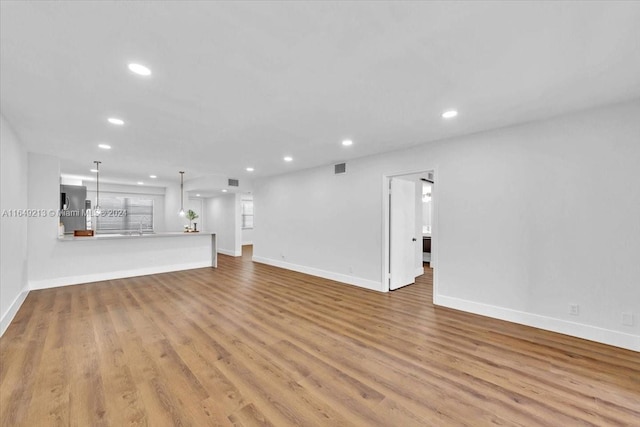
115	256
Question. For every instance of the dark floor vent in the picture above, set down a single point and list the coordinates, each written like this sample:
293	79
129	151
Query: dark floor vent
340	168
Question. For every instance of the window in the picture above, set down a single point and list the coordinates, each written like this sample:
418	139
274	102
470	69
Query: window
247	213
121	214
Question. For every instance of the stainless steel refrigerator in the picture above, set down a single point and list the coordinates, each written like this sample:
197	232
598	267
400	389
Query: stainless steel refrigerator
72	207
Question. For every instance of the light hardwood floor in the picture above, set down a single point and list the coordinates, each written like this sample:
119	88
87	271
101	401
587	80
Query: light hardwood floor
249	344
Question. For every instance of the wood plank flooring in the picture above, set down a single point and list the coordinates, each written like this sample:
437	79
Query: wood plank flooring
252	345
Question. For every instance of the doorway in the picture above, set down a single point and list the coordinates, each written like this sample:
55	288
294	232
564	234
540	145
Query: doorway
408	230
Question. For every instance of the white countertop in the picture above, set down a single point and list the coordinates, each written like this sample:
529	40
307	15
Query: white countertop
71	238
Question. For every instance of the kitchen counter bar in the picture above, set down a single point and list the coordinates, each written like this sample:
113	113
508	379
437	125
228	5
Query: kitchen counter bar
110	257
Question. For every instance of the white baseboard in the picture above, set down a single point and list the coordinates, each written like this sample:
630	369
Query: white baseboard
419	271
592	333
121	274
229	252
350	280
12	311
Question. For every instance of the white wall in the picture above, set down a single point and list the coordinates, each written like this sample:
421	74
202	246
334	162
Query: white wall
222	216
531	218
247	236
320	223
44	193
13	237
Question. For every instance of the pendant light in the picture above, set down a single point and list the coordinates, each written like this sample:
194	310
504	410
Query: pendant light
96	210
181	213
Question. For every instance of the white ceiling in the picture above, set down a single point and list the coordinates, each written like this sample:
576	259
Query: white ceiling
239	84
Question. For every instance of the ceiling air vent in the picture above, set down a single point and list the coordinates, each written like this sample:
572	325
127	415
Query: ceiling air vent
233	182
340	168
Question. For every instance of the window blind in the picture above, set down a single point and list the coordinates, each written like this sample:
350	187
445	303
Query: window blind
121	214
247	213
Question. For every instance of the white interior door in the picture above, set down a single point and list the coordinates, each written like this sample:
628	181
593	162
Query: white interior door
402	227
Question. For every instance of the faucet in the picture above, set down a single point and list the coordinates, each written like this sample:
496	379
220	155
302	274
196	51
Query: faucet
139	232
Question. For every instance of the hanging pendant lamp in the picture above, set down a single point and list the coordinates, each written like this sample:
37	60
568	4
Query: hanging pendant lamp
181	213
96	210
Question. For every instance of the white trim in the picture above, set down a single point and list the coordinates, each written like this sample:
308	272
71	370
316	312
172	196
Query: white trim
338	277
435	231
112	275
12	311
386	276
419	271
229	252
592	333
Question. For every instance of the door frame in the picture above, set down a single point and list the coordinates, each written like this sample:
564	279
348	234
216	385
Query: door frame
386	179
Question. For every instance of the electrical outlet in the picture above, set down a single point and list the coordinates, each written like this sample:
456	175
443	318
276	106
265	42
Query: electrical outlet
574	309
282	255
627	319
350	270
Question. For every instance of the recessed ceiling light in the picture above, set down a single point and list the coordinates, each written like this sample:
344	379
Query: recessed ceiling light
140	183
93	170
152	176
347	142
449	114
197	195
250	169
115	121
288	159
139	69
224	191
104	146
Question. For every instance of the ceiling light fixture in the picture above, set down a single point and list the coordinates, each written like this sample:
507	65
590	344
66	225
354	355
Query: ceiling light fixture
104	146
152	176
115	121
224	191
288	159
140	183
181	213
93	170
347	142
141	70
96	210
449	114
250	169
197	195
